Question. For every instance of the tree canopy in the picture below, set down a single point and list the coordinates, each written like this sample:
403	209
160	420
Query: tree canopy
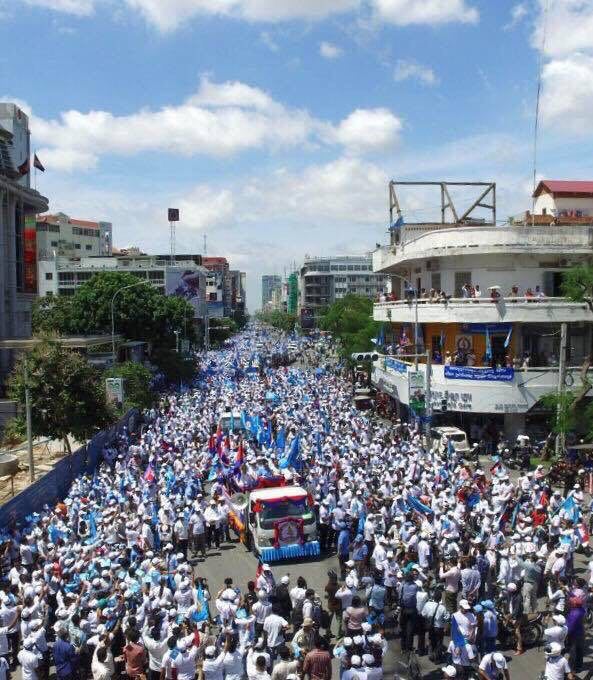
137	384
67	394
278	319
577	284
141	312
351	320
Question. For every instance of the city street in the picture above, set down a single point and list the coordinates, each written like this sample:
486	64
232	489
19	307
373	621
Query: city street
234	561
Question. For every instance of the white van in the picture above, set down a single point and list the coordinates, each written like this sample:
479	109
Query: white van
440	436
276	523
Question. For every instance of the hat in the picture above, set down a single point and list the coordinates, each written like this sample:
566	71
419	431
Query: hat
554	649
266	567
308	621
450	671
499	660
28	642
347	642
210	651
464	604
285	579
511	587
355	660
368	659
559	619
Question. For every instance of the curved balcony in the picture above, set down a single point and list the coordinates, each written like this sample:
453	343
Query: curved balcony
516	395
484	310
418	242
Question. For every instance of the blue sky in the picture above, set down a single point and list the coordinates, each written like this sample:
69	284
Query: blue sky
275	125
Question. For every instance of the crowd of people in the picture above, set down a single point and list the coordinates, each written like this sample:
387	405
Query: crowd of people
426	552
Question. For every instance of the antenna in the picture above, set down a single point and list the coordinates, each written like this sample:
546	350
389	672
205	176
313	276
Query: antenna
537	101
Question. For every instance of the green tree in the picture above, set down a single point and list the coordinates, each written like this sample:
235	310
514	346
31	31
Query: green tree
175	367
278	319
67	393
350	319
221	330
577	284
141	312
137	379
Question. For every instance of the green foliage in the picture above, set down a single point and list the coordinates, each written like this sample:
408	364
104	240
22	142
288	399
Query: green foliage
350	319
240	318
577	284
278	319
175	367
221	330
562	406
15	431
67	393
141	312
137	391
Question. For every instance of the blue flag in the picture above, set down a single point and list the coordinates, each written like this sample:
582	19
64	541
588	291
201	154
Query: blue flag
92	525
416	504
571	510
293	459
488	345
457	636
281	440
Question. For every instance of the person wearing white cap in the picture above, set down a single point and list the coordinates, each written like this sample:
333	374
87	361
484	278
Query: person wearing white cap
213	664
557	667
558	631
493	666
29	659
449	672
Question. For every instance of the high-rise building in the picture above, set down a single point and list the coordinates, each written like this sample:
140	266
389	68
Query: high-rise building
323	280
17	250
238	300
62	235
219	286
269	284
16	123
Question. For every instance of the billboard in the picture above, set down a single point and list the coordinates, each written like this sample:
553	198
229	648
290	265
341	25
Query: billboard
417	393
30	255
188	284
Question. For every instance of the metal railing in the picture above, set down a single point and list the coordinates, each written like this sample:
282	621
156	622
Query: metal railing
520	300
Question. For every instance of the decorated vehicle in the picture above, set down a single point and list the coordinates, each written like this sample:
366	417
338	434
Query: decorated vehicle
277	523
441	436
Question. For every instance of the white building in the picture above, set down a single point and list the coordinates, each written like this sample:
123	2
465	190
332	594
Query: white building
512	341
62	235
323	280
186	277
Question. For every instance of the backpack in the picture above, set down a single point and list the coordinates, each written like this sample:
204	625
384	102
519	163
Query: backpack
317	613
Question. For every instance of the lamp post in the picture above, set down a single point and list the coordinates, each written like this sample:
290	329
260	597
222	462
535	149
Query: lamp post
117	292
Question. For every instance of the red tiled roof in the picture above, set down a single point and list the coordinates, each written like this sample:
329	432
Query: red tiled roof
53	219
562	186
84	223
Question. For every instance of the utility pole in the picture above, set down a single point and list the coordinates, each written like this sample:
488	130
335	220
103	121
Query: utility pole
428	393
561	385
29	426
206	328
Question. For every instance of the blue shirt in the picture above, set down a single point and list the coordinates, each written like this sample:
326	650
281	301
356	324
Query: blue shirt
344	542
64	658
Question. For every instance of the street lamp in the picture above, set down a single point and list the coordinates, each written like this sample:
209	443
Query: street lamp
117	292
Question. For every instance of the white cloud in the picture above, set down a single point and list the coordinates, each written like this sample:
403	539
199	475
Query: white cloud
269	41
567	99
330	51
406	69
569	27
368	130
77	7
518	13
220	119
168	15
432	12
206	207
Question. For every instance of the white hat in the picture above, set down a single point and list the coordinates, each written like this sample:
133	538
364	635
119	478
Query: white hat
464	604
499	660
555	648
450	671
511	587
266	567
285	579
210	651
355	660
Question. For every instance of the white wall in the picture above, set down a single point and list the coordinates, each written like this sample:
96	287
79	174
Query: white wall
45	287
552	204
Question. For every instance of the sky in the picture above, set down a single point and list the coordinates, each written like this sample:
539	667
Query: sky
276	125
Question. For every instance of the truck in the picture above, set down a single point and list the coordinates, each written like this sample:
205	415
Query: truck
276	523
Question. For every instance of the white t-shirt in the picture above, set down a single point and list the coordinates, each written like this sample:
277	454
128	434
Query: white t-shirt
489	667
233	665
213	668
29	662
274	626
185	663
557	668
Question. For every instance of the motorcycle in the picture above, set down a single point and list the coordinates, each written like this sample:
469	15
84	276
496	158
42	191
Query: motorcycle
532	630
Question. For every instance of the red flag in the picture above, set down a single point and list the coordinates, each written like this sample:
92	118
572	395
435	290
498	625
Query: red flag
24	167
149	475
240	453
38	164
260	569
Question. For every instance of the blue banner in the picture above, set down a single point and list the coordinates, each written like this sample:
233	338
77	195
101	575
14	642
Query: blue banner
396	365
480	328
472	373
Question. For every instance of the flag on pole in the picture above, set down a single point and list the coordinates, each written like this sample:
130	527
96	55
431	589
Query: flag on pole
488	345
24	167
149	475
38	164
240	454
507	342
293	458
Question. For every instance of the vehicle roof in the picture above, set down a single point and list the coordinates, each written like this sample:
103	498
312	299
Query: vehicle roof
449	430
278	492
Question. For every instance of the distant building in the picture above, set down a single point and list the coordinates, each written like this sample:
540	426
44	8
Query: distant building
62	235
219	286
323	280
186	278
238	301
17	248
564	199
269	284
16	123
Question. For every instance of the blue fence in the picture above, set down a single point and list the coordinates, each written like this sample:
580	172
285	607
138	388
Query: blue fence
55	484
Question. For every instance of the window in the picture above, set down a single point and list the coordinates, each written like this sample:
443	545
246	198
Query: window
54	244
88	247
435	280
41	226
49	276
154	276
66	277
77	246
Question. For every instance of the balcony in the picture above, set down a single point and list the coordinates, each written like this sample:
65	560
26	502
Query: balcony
484	310
480	394
423	241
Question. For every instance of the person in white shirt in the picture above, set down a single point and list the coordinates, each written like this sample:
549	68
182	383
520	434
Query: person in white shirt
185	662
557	667
274	628
557	632
101	668
156	646
256	651
493	666
29	660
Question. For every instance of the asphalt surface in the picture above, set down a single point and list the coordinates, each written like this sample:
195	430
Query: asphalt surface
233	560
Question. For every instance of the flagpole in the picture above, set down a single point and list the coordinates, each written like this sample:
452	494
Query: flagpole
34	169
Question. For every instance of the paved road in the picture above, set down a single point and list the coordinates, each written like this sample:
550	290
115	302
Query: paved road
234	561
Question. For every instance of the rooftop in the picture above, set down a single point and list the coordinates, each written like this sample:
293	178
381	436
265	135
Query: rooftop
563	187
